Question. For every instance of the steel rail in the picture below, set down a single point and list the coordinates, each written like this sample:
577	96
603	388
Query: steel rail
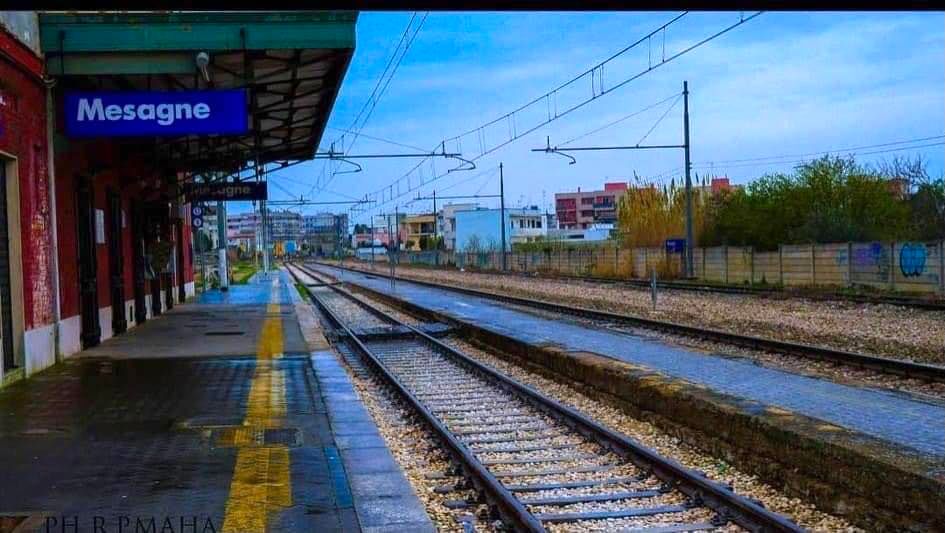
927	372
509	508
696	486
902	301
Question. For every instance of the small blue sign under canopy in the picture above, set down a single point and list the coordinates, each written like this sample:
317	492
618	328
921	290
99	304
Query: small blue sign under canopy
675	246
156	113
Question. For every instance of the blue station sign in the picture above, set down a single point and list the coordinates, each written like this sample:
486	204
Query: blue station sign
675	246
156	113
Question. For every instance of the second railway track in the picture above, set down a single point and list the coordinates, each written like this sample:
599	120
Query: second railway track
537	463
899	367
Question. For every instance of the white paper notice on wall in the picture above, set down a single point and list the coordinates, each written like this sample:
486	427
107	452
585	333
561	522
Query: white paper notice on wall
99	226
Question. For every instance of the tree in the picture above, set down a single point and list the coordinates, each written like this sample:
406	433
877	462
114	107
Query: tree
927	203
362	228
473	244
204	243
647	215
831	199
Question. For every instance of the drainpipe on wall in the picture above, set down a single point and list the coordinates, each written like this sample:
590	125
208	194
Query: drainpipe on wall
54	234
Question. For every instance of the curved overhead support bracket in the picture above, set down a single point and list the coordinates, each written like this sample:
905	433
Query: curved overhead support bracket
472	166
548	149
343	160
562	154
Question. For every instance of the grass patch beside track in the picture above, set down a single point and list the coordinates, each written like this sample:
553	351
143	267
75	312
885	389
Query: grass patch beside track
242	271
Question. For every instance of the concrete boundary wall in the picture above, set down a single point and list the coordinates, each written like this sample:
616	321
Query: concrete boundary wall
895	266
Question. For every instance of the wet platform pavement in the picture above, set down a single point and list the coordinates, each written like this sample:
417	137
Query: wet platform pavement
903	420
266	437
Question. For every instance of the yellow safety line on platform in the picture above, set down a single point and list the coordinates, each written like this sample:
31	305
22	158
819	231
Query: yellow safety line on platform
261	483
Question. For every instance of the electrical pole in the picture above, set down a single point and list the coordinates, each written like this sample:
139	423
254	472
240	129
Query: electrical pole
221	246
372	242
391	246
502	215
436	249
263	221
263	236
689	236
689	271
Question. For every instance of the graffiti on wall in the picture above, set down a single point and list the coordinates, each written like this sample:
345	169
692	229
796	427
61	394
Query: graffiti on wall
873	257
912	259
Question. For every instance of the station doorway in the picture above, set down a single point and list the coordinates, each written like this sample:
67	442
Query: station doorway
88	280
6	292
116	262
138	263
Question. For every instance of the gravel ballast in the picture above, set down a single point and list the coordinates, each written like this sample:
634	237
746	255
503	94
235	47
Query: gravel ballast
879	329
803	513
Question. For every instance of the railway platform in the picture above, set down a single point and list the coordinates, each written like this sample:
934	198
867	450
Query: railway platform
222	415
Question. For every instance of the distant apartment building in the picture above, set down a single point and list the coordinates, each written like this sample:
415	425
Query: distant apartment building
480	229
715	186
379	237
446	222
393	224
245	229
583	209
597	233
284	226
210	228
417	227
325	233
241	230
898	187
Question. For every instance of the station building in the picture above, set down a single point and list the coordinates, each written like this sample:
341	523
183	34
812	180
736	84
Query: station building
95	222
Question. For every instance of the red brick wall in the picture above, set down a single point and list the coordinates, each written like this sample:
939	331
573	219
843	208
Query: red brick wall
120	175
23	135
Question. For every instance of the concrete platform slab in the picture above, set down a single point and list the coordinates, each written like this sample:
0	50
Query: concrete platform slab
383	497
217	323
165	424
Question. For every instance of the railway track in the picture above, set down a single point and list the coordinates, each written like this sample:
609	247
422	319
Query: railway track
538	464
902	301
910	369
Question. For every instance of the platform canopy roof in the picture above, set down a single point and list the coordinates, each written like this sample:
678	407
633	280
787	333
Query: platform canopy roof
292	63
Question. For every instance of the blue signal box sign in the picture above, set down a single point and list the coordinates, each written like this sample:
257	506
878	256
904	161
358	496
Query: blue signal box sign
675	246
156	113
196	218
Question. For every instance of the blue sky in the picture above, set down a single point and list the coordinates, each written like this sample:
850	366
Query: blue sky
781	84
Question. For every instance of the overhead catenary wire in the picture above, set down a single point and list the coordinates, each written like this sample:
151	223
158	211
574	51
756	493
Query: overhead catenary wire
793	159
517	131
853	148
381	139
487	173
619	120
380	78
849	152
374	100
370	103
657	123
